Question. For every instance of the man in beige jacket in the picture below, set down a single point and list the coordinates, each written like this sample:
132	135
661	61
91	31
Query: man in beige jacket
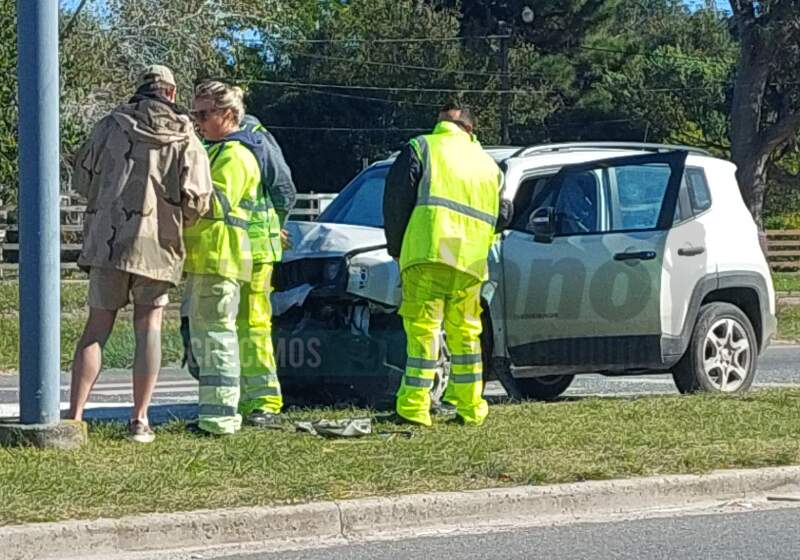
146	177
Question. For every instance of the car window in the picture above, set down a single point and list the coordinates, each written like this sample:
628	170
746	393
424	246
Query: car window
577	208
699	195
575	201
639	192
533	193
361	202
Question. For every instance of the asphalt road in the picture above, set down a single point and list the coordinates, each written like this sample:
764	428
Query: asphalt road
757	535
176	392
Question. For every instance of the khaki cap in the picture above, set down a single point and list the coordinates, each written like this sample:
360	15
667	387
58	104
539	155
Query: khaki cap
155	73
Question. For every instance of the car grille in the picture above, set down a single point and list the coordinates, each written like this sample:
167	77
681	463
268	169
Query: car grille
306	271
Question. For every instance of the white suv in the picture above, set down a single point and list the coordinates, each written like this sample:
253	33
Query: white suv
621	259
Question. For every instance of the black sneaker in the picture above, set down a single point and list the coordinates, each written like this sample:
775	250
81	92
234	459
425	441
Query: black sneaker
267	420
195	429
443	409
398	420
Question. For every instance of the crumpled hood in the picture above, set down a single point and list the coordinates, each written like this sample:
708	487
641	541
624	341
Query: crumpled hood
318	240
153	122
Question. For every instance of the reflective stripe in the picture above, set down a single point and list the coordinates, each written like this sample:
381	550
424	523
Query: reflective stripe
261	392
421	363
218	381
222	198
233	221
418	382
464	359
216	410
246	204
466	377
458	207
258	380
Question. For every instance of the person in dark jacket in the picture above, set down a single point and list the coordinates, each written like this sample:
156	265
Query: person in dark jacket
442	206
400	195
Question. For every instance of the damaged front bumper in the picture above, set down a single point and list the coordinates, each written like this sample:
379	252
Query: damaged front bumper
338	338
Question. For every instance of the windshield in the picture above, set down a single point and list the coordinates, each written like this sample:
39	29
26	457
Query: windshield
361	202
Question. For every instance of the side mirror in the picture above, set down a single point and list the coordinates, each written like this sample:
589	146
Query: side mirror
542	224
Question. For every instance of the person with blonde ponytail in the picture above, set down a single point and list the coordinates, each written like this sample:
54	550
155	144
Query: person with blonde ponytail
219	258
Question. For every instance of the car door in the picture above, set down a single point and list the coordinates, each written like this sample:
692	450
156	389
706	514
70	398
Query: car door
587	296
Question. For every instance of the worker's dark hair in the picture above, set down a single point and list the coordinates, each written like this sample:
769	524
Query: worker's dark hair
467	117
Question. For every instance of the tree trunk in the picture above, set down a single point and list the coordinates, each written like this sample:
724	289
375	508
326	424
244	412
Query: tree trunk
748	95
753	173
752	139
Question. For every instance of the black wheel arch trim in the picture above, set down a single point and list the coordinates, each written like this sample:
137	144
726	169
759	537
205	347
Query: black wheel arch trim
673	347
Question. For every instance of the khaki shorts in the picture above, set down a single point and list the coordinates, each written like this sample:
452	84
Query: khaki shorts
109	289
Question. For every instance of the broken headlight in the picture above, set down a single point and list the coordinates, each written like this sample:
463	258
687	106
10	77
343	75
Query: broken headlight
331	270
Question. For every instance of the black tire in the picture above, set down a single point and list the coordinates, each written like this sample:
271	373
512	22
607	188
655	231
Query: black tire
690	373
546	388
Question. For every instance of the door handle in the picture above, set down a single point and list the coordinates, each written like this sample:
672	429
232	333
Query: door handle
691	251
635	256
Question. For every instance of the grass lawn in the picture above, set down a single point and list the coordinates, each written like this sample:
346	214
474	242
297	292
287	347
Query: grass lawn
786	281
118	352
789	322
119	349
531	443
73	296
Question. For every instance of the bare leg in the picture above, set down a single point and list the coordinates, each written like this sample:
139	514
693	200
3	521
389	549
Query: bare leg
88	358
147	361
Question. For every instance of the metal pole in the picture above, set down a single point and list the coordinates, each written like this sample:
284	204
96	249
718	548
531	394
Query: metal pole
39	268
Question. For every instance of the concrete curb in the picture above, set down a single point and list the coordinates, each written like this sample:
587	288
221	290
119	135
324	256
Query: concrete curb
373	516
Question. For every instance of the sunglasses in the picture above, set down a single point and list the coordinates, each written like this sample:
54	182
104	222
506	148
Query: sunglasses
203	115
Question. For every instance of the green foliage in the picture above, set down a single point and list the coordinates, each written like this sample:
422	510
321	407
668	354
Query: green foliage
783	221
8	102
580	70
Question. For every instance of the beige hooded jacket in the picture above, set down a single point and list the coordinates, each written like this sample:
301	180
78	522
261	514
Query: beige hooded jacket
145	176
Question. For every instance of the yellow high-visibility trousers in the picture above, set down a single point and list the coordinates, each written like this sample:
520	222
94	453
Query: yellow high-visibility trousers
211	303
434	294
260	388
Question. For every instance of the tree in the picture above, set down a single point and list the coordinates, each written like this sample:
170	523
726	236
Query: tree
765	116
8	101
668	70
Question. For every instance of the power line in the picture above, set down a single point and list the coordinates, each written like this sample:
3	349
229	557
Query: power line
415	67
448	90
395	88
378	40
390	40
365	98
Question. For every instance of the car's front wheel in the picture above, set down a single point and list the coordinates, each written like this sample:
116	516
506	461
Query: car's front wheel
722	353
545	388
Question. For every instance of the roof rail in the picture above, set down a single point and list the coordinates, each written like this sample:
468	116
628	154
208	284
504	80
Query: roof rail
643	146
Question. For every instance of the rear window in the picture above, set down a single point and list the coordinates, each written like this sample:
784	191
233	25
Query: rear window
699	195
